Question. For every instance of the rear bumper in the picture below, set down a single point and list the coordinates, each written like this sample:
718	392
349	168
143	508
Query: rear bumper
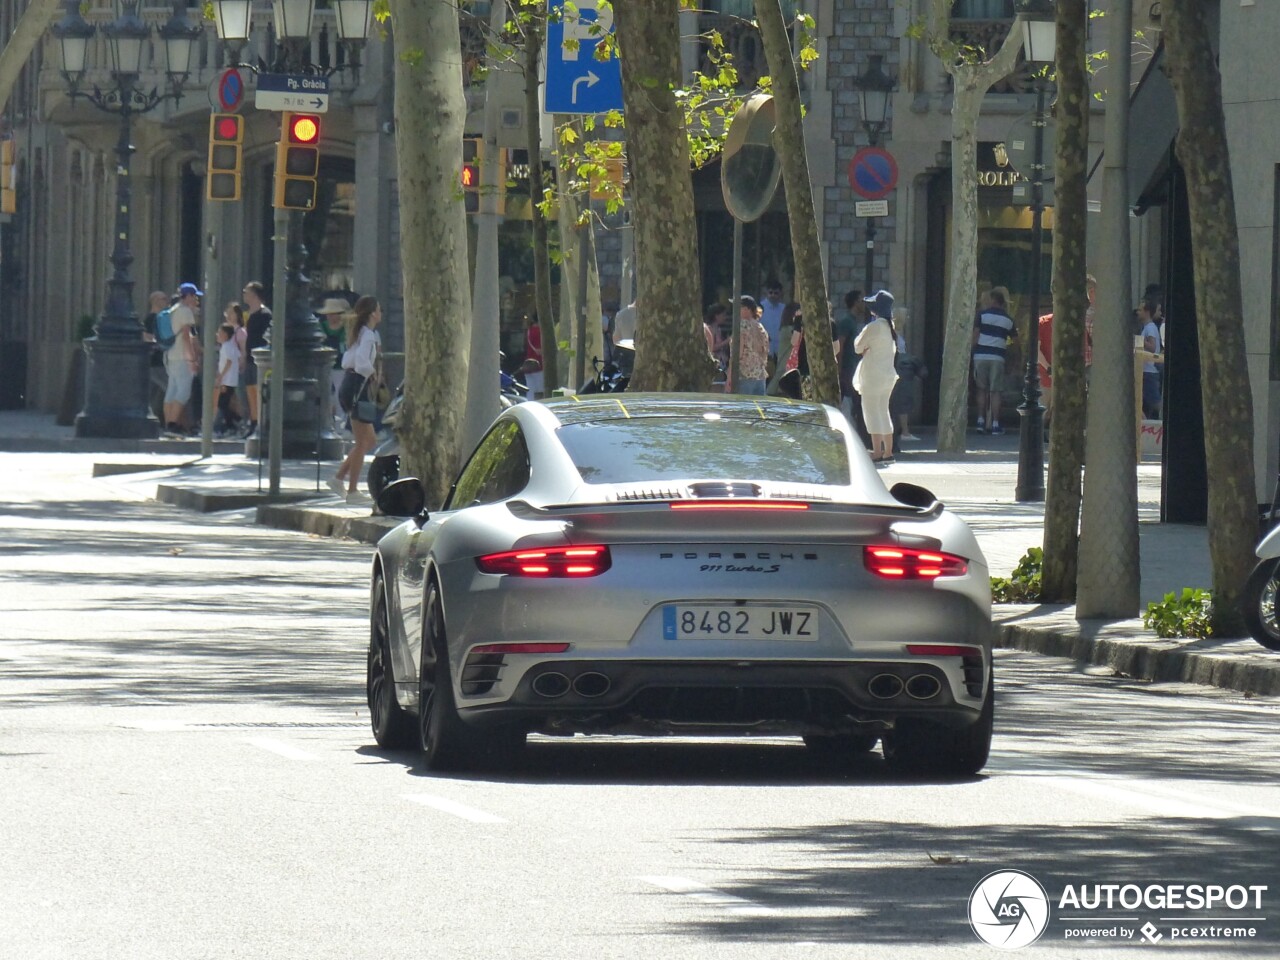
763	696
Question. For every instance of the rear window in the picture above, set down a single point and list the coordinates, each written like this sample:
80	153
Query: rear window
670	448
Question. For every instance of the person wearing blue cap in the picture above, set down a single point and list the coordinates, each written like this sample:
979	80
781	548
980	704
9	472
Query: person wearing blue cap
877	345
182	360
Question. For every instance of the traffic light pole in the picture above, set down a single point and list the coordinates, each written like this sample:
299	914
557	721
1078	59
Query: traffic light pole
275	394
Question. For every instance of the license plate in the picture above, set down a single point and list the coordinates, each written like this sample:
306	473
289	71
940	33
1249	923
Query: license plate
719	622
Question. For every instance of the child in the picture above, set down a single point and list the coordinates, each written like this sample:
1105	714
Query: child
228	378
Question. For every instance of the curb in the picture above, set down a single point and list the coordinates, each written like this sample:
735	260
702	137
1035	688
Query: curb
202	501
1235	664
320	522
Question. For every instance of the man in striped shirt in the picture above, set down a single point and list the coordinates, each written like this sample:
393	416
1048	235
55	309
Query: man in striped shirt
992	330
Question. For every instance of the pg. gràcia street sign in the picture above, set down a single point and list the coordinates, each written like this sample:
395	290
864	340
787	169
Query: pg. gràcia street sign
292	91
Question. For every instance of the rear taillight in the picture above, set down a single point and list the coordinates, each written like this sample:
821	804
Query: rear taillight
501	648
738	505
905	563
575	561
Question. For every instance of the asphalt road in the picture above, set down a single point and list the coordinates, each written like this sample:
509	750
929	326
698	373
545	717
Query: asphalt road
186	771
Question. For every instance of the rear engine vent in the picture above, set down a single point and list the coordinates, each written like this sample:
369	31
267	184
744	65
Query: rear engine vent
720	490
481	672
636	494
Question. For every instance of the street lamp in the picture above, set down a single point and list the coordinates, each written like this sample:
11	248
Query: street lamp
354	21
232	19
1039	35
875	87
117	379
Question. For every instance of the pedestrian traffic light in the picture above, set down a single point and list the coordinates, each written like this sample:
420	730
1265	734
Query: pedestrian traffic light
226	134
8	176
472	161
298	161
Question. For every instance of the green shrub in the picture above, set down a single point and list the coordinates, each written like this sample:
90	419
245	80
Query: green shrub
1023	585
1188	615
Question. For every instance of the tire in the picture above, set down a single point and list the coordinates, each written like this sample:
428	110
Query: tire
843	746
393	727
448	743
1258	603
924	747
383	472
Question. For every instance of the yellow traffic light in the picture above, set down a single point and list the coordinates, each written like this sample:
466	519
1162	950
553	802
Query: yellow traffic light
298	162
226	135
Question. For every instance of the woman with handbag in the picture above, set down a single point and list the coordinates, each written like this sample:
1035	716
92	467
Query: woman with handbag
361	374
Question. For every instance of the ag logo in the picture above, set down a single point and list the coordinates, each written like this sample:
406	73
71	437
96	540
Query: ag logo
1008	909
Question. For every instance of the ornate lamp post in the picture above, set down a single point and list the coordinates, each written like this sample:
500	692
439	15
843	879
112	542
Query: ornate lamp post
1039	38
875	87
118	359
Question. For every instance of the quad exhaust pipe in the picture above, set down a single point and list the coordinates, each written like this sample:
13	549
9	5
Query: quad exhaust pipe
591	685
551	685
886	686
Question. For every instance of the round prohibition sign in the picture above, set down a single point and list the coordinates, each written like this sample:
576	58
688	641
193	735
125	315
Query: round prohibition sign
873	173
230	90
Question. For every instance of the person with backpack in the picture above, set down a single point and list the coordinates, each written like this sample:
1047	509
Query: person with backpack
175	332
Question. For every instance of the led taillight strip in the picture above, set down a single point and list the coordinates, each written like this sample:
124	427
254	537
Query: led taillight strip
905	563
575	561
737	505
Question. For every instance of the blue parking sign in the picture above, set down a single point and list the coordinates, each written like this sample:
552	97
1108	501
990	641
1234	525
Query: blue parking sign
576	81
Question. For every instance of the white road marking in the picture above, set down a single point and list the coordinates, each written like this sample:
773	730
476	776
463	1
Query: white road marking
1164	802
711	896
454	808
281	748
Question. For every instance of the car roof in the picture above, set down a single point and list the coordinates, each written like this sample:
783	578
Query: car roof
629	406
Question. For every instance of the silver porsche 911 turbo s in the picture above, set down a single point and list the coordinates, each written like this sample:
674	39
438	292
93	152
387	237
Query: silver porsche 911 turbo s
679	564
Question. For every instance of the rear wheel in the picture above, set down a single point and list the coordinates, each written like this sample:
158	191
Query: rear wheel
930	748
1258	604
447	742
393	727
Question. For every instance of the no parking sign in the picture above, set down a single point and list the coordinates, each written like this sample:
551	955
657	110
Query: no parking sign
873	173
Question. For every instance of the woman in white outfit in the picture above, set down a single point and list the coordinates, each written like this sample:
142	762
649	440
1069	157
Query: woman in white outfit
877	345
362	370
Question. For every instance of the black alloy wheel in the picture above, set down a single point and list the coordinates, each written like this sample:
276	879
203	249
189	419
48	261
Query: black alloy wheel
1258	604
393	727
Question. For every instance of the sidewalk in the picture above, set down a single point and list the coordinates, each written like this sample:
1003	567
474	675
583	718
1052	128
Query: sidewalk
978	486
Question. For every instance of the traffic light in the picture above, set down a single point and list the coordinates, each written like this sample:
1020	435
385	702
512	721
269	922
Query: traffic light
8	176
472	159
298	161
226	134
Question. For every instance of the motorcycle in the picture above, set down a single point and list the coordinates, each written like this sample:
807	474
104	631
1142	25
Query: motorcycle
612	376
1258	599
385	468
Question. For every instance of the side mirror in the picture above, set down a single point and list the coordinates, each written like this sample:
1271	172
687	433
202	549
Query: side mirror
911	494
405	498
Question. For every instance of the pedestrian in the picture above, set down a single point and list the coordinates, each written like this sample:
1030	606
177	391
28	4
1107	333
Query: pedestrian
532	367
1044	364
795	381
1152	343
753	362
911	373
772	307
257	325
992	330
228	377
234	315
157	301
606	329
334	328
713	322
361	374
624	325
181	360
877	345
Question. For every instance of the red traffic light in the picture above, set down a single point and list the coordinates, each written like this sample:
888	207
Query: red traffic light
226	128
304	128
470	176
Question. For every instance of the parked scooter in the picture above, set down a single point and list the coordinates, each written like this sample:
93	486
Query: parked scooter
1258	599
612	376
385	468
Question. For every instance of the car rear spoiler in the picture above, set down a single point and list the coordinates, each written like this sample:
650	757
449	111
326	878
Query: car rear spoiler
724	519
